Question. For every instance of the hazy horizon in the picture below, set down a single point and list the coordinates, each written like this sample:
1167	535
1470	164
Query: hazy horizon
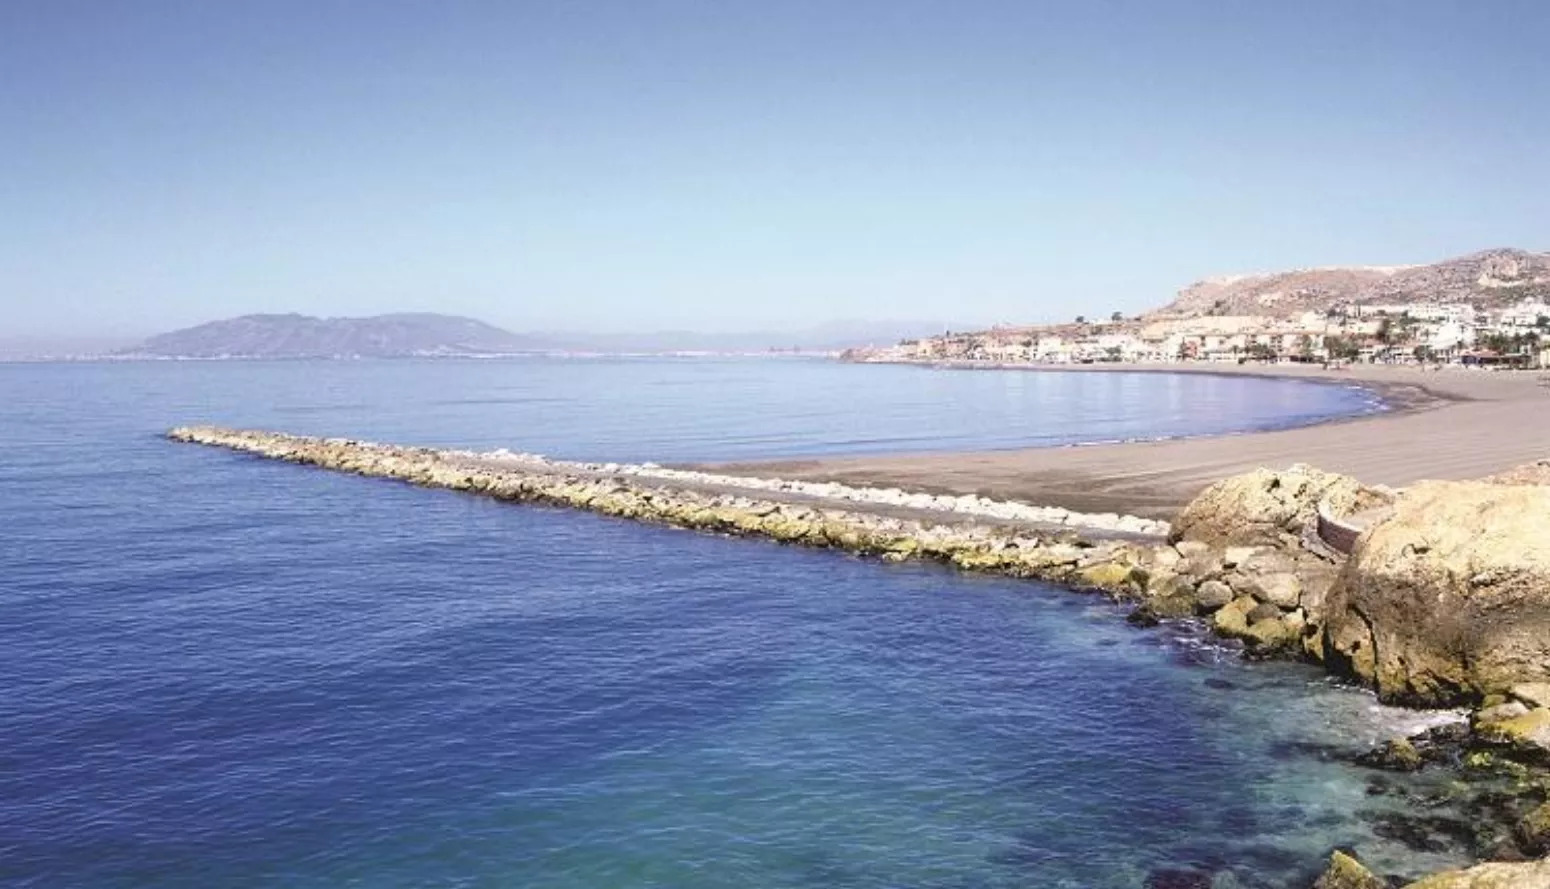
658	166
827	335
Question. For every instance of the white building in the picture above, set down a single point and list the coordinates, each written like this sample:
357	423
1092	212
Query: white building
1525	315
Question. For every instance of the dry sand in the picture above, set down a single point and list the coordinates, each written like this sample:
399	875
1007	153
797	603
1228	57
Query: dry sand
1448	424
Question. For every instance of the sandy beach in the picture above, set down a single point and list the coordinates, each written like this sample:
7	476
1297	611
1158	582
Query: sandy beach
1447	424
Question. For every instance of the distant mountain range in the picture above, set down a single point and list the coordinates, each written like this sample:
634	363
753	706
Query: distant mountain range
303	336
1491	279
432	335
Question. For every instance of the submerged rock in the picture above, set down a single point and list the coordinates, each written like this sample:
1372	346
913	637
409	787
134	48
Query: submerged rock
1345	872
1395	755
1178	878
1532	831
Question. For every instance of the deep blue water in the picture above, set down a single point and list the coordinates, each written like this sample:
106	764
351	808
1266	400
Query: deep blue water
221	671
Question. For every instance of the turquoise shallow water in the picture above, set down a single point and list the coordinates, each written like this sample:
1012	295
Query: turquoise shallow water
222	671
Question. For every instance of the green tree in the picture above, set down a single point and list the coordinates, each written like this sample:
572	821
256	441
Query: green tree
1343	348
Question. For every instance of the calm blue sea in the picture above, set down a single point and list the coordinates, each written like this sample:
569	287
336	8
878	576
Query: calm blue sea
219	671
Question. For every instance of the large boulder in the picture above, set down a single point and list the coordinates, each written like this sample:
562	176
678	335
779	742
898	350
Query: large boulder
1266	507
1449	599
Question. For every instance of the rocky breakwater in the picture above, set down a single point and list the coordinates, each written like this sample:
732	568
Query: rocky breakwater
1443	601
1099	553
1243	557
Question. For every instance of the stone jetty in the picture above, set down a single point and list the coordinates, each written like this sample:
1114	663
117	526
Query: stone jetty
1437	595
1244	556
1098	552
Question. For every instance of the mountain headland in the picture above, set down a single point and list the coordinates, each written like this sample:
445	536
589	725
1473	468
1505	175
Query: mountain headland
303	336
432	335
1489	279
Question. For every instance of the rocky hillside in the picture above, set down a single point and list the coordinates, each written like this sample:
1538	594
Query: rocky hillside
303	336
1490	279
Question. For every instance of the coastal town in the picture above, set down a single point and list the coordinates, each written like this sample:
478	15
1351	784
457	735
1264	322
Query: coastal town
1405	333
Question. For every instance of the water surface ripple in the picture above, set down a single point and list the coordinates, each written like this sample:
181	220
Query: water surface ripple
222	671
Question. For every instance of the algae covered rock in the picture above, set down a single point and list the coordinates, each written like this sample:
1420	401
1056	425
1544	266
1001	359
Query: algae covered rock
1395	755
1266	507
1449	599
1495	875
1525	733
1159	608
1345	872
1109	576
1263	629
1532	831
1232	619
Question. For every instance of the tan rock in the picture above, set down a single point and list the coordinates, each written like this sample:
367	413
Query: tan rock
1163	558
1534	694
1213	594
1449	599
1495	875
1527	733
1261	627
1110	576
1284	590
1268	561
1232	619
1188	549
1263	507
1501	712
1345	872
1317	579
1234	556
1202	566
1168	585
1536	473
1272	636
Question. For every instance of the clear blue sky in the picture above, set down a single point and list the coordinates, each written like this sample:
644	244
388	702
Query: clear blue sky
726	165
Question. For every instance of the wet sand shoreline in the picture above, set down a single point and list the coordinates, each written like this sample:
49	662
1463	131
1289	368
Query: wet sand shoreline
1448	424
